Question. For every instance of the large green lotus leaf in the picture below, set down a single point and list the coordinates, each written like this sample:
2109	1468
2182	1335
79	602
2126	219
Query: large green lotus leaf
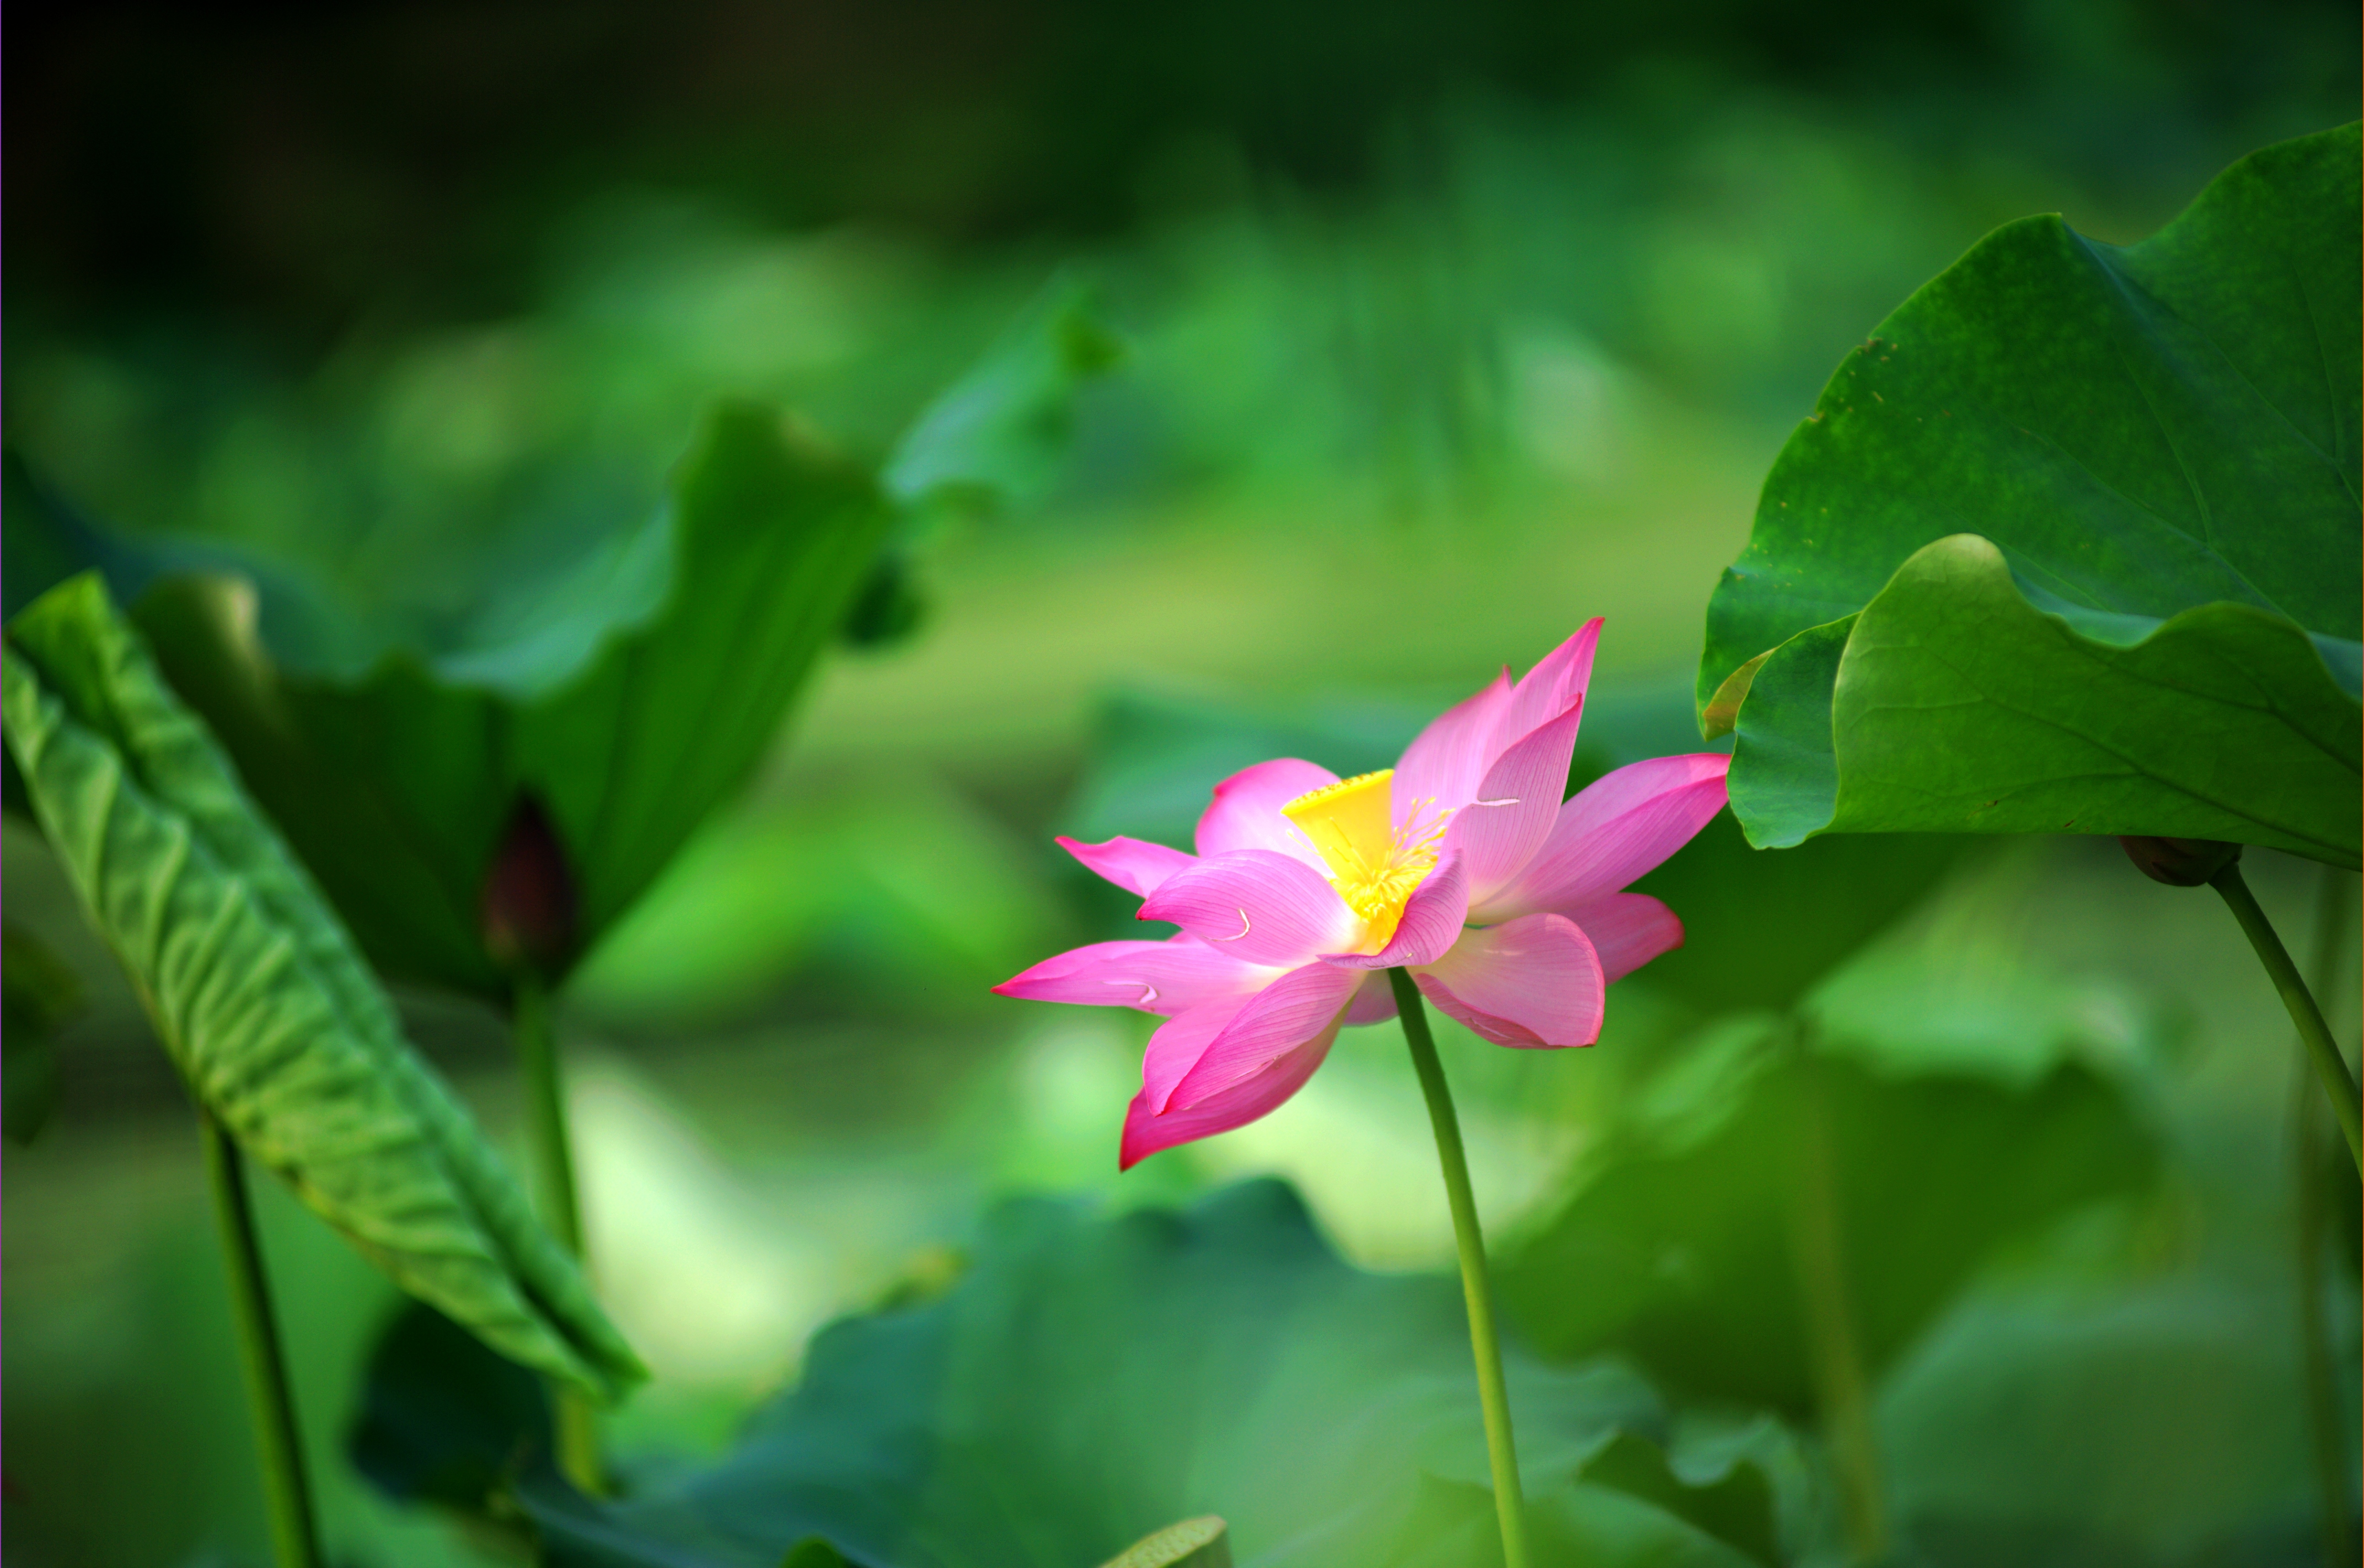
1960	708
2156	1427
2155	630
1090	1379
261	998
441	1419
1680	1254
397	786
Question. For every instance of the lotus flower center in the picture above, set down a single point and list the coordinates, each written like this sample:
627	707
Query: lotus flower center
1375	865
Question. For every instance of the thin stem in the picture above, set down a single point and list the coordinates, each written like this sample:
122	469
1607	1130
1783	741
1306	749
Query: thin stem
2330	1067
1842	1390
286	1492
576	1417
1510	1501
2328	1442
545	1091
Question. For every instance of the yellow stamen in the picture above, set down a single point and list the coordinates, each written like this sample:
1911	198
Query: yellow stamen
1375	866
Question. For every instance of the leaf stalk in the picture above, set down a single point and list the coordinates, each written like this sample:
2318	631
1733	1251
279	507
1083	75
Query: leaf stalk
2334	937
2330	1067
286	1490
577	1419
1493	1396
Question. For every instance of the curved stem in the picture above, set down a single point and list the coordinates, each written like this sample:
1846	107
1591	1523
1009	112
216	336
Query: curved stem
577	1419
1510	1501
2328	1443
286	1492
2330	1067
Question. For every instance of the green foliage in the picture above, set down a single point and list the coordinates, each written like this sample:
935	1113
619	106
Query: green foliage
2155	630
38	992
1090	1379
622	687
902	894
992	440
1202	1542
889	607
1758	931
46	542
261	999
813	1553
442	1420
2159	1425
1156	759
397	786
1680	1250
996	436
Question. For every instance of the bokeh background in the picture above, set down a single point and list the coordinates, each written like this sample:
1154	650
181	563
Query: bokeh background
1446	327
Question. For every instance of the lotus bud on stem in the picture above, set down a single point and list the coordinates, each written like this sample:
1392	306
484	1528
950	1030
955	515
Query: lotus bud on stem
525	908
2179	862
526	914
2187	863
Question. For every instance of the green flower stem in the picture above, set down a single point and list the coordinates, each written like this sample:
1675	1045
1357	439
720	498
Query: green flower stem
2333	937
577	1420
1842	1391
286	1492
1510	1501
2330	1067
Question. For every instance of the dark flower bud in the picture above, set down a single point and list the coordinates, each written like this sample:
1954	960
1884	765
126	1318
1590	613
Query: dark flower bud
2180	862
526	910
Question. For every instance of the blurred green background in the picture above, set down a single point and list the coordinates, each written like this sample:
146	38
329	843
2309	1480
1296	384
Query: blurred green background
1446	328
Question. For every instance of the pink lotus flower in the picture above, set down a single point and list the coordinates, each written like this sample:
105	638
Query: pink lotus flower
1461	864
